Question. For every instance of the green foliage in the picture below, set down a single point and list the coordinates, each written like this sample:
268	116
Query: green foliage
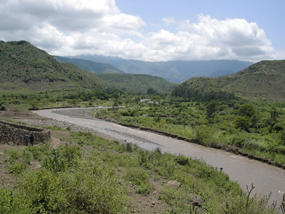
234	124
140	179
261	81
247	117
246	110
62	158
25	67
283	137
243	123
137	83
211	108
97	181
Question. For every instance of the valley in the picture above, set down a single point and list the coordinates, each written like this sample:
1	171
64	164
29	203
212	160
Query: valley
179	147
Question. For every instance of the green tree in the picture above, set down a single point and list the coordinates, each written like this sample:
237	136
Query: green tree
247	117
151	91
211	109
243	123
246	110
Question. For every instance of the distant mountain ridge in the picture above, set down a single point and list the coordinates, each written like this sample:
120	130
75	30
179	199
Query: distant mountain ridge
115	78
173	71
25	67
261	81
89	65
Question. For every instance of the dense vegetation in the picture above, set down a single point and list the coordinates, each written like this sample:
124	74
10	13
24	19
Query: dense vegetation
137	83
87	174
19	101
26	68
239	126
261	81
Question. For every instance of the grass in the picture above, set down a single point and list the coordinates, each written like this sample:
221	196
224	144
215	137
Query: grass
259	134
89	174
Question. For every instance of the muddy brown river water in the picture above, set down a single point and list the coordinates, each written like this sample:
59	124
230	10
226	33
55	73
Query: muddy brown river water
266	178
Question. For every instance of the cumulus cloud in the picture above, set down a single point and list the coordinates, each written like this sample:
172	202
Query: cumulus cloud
75	27
210	38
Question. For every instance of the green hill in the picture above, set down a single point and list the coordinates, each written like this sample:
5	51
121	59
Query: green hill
25	67
90	66
261	81
136	83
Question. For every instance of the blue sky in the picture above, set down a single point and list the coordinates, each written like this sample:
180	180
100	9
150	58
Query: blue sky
150	30
268	14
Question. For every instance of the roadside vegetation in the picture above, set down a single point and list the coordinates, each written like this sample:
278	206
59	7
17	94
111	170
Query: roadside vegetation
87	174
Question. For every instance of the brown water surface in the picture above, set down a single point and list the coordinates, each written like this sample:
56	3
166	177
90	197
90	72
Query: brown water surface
266	178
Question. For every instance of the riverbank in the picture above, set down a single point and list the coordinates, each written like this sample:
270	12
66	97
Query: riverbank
226	148
266	178
60	178
190	122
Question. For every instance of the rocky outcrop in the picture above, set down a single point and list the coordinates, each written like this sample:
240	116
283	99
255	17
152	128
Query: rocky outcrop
13	133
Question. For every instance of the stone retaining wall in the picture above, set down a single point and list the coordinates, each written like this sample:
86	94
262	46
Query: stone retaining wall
13	133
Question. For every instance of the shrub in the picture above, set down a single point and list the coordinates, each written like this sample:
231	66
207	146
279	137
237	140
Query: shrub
12	202
87	190
283	138
58	160
140	179
243	123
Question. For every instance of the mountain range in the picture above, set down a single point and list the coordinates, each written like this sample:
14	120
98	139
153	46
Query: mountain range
173	71
25	68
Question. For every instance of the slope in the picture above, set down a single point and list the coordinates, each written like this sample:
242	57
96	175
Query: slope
174	71
89	65
261	81
136	83
25	67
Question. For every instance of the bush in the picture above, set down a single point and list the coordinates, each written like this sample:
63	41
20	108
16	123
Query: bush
243	123
87	190
140	179
12	202
283	137
58	160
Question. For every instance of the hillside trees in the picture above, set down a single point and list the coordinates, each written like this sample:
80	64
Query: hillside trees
247	117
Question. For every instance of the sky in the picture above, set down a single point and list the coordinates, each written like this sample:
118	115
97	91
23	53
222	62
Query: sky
150	30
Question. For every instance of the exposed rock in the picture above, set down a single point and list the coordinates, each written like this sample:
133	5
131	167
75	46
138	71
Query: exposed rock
173	183
10	132
197	201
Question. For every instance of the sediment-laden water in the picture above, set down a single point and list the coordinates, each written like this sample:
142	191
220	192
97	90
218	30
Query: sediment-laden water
266	178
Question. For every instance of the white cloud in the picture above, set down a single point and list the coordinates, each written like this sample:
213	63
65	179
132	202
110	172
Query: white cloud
74	27
210	38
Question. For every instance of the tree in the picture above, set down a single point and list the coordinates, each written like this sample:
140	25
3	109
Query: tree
247	110
151	91
211	108
247	117
243	123
283	137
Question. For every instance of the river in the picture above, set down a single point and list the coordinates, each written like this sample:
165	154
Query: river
266	178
